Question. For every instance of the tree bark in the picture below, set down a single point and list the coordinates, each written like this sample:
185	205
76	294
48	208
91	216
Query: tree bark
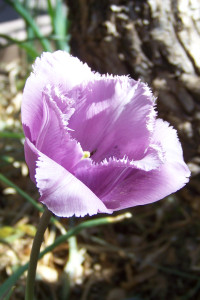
155	40
159	42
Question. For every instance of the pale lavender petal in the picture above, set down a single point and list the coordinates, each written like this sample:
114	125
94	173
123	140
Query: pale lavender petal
63	193
31	157
117	117
60	191
58	69
104	177
53	138
140	187
101	179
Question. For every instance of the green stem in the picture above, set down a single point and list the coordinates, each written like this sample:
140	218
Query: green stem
8	182
6	286
73	249
44	221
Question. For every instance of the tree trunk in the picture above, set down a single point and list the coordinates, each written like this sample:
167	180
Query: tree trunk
155	40
159	42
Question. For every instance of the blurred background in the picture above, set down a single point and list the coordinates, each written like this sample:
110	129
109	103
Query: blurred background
156	253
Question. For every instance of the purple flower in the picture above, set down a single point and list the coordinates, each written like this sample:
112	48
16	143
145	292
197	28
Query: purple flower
93	143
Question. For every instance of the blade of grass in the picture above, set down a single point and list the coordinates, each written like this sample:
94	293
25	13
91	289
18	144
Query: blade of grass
6	159
12	135
28	18
59	24
5	180
61	239
29	30
50	11
30	49
9	294
40	208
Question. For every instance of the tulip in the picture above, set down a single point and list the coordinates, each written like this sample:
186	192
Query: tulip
93	143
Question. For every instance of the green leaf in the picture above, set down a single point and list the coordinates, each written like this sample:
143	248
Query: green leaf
6	231
59	24
61	239
8	182
39	207
27	229
9	294
12	135
50	11
30	50
7	159
9	236
30	21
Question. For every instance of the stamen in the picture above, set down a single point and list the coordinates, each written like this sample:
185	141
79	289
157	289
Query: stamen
86	154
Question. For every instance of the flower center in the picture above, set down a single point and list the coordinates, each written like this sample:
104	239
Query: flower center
86	154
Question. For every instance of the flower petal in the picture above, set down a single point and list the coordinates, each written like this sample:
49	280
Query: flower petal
117	117
31	157
53	138
63	193
140	187
102	178
57	69
60	191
